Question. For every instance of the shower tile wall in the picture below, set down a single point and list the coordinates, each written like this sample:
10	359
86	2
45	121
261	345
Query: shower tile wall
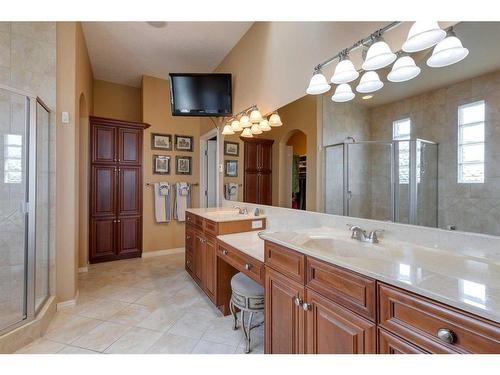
469	207
27	62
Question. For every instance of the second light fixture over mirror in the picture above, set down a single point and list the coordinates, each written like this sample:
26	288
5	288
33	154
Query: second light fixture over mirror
251	122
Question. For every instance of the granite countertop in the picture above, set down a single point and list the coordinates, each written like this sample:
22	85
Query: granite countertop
219	214
465	281
247	242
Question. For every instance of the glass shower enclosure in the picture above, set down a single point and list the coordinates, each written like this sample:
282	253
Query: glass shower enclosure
383	180
24	207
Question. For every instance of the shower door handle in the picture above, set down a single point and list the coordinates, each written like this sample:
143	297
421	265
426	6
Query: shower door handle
349	194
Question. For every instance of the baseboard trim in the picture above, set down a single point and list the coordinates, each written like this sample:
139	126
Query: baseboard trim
157	253
68	303
83	269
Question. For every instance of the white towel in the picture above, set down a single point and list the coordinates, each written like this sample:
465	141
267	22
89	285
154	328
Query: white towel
231	190
162	202
182	200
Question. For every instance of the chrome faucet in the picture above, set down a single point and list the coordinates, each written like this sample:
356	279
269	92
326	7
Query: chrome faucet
359	234
241	211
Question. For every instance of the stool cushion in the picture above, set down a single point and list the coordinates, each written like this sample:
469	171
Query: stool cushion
245	286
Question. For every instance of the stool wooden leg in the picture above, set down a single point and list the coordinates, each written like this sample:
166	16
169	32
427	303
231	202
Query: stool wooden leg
233	311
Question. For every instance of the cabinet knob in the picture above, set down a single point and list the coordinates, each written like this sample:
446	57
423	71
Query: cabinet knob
248	266
188	262
446	335
188	237
224	252
306	306
297	301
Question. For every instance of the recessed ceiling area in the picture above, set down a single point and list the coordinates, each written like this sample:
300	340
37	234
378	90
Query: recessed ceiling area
121	52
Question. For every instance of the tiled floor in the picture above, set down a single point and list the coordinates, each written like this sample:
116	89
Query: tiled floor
146	305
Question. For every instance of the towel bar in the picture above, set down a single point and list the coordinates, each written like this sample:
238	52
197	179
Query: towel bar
152	184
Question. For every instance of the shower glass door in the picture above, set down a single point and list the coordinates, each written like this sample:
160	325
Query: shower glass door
14	130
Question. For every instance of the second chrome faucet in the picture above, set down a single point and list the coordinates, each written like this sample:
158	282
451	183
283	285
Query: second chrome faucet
359	234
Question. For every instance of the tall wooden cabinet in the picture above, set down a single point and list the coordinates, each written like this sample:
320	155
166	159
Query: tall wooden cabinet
258	171
115	196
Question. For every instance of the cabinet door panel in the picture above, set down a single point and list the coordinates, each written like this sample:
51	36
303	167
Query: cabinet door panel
129	190
265	189
198	249
333	329
102	239
130	238
251	190
209	267
129	146
103	144
284	319
391	344
103	190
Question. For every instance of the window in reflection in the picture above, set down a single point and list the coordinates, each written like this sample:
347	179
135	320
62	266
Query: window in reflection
471	143
404	273
13	167
473	293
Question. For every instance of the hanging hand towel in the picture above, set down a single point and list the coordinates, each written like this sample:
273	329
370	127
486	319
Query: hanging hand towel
162	202
182	200
232	191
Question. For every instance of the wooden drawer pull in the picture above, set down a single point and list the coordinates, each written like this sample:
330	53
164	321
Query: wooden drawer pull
446	335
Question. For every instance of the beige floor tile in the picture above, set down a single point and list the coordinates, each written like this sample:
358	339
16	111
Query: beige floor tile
162	319
221	331
207	347
101	337
76	350
135	341
192	325
41	346
68	328
131	315
102	309
172	344
121	293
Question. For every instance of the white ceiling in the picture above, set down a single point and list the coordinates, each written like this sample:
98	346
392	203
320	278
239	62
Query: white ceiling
122	52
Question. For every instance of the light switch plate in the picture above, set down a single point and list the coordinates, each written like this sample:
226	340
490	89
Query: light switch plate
65	117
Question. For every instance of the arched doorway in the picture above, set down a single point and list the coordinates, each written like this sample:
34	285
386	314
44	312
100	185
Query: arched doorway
293	153
83	182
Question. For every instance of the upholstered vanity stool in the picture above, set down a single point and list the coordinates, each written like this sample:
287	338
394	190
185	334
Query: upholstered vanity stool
247	296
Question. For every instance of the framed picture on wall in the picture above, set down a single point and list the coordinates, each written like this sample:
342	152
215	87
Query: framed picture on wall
183	165
231	148
183	143
161	164
231	168
161	142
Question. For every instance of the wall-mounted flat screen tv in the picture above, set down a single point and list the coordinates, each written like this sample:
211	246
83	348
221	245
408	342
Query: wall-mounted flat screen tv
194	94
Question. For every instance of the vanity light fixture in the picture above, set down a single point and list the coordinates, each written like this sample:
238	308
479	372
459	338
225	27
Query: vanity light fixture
245	121
235	125
344	71
370	82
275	120
228	130
447	52
379	56
343	93
255	116
247	133
255	129
318	84
423	35
264	125
403	70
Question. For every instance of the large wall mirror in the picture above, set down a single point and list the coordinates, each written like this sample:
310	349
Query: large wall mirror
425	151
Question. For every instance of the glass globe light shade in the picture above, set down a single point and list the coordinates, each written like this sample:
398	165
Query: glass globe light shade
318	84
245	121
379	55
403	70
369	82
255	129
343	93
247	133
344	72
235	125
447	52
275	120
264	125
255	116
228	130
423	35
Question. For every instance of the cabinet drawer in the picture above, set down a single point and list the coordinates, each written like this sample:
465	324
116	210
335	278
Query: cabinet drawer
418	320
286	261
242	262
210	227
189	238
354	291
390	344
195	220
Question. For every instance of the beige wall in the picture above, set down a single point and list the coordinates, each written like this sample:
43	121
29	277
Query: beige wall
117	101
298	141
156	112
74	78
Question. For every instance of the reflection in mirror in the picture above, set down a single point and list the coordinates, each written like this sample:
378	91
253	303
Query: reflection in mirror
424	151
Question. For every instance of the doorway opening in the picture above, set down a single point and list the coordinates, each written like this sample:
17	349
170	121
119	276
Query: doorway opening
296	169
209	181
